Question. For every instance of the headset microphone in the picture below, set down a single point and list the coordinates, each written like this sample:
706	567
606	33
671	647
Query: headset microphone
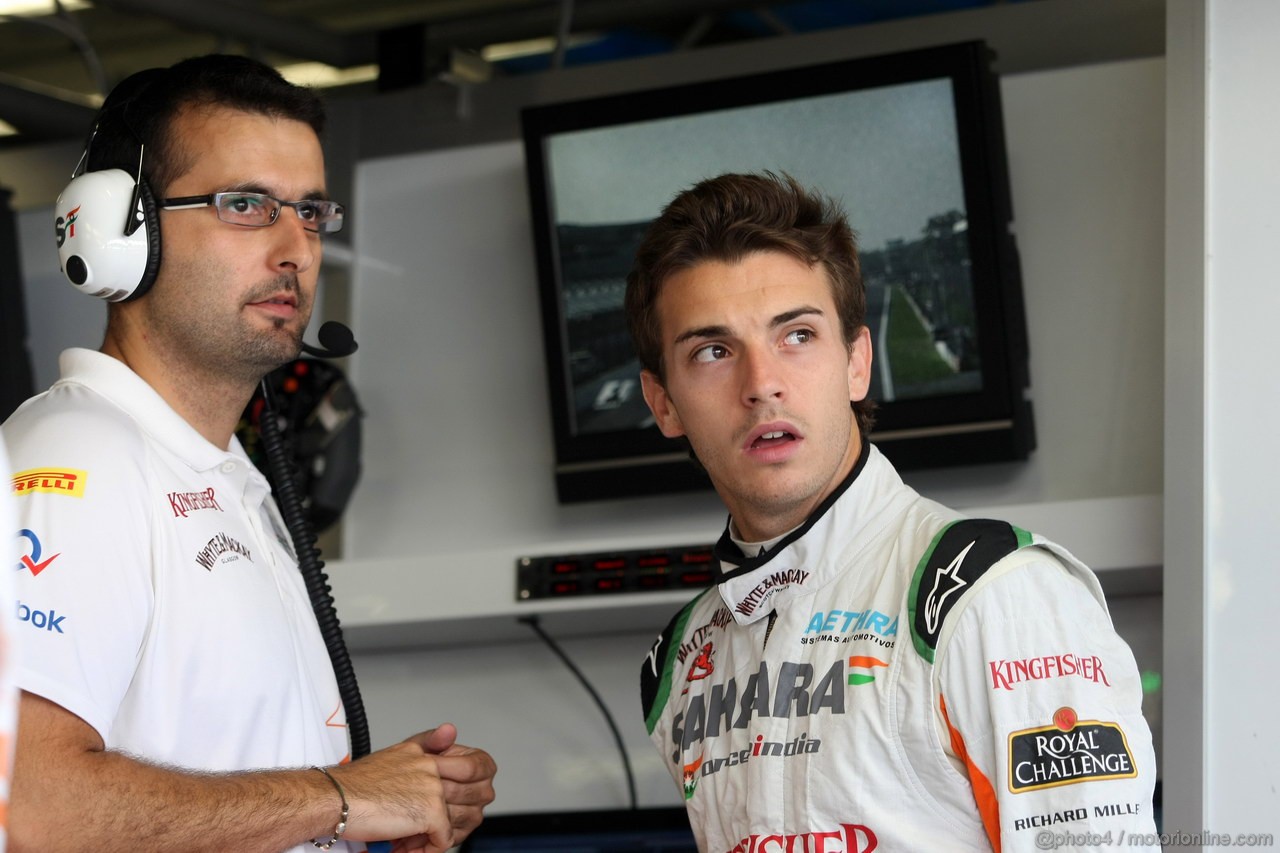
336	341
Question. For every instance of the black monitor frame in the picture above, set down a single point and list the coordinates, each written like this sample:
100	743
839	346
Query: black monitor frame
991	424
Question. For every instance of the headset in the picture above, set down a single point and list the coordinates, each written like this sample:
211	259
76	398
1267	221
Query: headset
106	221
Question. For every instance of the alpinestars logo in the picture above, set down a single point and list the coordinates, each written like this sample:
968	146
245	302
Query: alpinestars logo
652	657
945	584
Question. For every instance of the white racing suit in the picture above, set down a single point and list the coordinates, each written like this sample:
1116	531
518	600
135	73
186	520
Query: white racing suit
892	677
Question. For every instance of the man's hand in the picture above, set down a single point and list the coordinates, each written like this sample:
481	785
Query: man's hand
467	777
393	793
427	792
467	773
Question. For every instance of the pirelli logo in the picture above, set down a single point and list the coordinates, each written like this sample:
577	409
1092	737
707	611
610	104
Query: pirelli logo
57	481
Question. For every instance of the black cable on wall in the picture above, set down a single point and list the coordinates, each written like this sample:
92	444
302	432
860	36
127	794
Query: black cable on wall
534	623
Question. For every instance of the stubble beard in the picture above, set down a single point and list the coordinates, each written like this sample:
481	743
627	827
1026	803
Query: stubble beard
790	492
263	353
208	341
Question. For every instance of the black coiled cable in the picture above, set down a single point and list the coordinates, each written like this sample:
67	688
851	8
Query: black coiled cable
289	500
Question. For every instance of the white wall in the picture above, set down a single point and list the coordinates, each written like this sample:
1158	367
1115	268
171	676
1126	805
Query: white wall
1222	576
1184	446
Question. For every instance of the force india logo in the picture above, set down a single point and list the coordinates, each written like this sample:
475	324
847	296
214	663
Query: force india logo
802	745
65	226
1067	752
56	481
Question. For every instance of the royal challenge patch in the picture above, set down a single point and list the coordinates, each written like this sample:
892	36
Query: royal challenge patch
1066	752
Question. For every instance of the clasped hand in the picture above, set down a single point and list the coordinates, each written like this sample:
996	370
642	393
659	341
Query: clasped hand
426	793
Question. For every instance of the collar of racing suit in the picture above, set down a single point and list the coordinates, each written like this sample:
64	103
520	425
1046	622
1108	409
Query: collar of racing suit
753	587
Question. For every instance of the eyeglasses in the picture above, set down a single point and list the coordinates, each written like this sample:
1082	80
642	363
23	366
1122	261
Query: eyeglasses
258	210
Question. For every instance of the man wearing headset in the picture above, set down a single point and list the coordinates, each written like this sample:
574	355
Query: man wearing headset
177	693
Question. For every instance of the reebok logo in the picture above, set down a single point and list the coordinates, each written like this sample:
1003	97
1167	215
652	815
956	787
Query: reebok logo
50	621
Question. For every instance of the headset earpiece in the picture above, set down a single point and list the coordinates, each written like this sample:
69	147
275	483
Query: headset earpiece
107	224
96	252
150	224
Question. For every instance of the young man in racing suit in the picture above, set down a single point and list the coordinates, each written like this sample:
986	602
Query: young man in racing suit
871	671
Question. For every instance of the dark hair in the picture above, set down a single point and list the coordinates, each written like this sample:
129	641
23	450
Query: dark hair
140	111
729	217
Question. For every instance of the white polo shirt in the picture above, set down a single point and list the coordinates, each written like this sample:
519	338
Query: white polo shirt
8	652
159	599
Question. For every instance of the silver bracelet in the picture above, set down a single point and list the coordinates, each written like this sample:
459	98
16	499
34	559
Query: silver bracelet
342	821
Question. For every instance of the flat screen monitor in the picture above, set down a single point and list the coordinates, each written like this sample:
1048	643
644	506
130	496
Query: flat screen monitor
911	144
648	830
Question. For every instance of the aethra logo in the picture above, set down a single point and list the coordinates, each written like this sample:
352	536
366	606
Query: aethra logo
65	227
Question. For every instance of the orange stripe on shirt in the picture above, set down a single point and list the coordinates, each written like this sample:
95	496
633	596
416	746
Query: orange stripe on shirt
983	793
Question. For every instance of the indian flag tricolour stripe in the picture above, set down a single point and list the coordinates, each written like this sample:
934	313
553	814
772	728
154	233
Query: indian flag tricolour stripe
863	662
